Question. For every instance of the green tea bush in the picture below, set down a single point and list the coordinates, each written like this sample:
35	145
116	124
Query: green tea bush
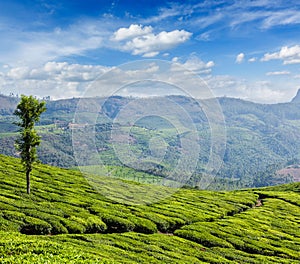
142	225
117	224
160	221
204	238
8	225
35	226
95	225
5	206
73	227
57	227
13	215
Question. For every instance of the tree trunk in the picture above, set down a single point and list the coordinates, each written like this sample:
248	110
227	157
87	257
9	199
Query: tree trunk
28	180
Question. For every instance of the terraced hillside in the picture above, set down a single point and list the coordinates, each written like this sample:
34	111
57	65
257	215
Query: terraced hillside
65	220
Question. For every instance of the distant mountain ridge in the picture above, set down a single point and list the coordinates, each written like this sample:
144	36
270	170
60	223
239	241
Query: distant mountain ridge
261	138
296	99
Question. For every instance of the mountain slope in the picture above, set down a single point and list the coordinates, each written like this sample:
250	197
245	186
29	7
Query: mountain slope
189	226
296	99
261	139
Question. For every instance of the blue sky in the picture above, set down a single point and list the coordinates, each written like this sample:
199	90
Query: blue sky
243	49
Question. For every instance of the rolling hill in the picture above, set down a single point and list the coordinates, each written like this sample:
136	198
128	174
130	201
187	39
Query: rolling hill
65	220
261	139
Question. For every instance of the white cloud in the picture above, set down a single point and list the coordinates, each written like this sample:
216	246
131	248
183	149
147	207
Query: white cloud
204	22
131	32
285	17
57	79
278	73
65	80
36	47
244	16
240	58
289	55
18	73
206	36
291	61
149	54
263	91
264	13
193	64
230	14
142	41
59	71
257	91
174	10
253	59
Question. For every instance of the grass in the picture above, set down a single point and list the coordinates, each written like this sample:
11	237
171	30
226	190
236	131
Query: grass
127	173
66	220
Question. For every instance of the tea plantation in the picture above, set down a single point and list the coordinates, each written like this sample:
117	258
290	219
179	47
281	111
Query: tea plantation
66	220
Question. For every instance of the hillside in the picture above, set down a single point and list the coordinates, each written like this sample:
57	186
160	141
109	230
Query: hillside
261	139
65	220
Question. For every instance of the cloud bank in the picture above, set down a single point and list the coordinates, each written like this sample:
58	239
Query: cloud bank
139	40
289	55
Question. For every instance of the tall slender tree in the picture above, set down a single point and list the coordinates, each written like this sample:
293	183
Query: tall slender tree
29	111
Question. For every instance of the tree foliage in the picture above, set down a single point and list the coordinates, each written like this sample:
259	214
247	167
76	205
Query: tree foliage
28	110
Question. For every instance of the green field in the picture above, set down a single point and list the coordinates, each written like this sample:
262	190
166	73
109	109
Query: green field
65	220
